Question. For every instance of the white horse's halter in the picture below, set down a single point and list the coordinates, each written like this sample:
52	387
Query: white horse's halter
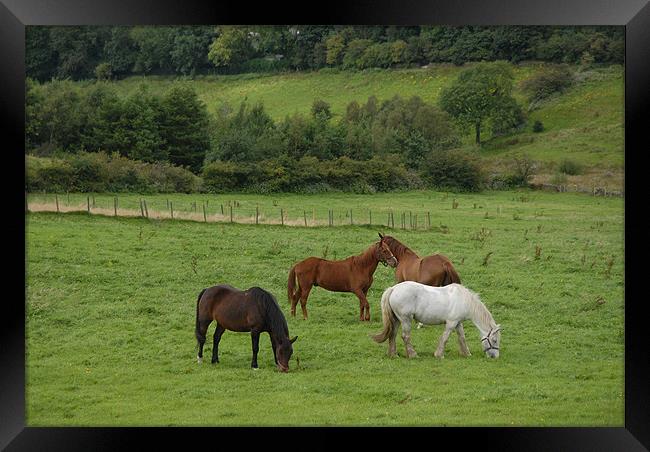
487	338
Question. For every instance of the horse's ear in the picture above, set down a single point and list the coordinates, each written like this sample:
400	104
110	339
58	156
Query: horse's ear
293	340
381	236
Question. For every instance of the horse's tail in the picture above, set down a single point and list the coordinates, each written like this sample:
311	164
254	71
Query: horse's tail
197	333
291	285
451	276
388	317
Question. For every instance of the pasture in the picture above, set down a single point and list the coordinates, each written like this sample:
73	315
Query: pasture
111	305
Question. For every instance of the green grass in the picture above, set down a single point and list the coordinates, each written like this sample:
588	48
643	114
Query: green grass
111	306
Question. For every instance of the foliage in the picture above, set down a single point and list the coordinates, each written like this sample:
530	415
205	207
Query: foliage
456	170
570	167
102	172
546	82
75	51
481	93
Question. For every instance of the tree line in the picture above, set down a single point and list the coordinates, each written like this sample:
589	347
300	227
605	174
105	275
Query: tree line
374	145
105	52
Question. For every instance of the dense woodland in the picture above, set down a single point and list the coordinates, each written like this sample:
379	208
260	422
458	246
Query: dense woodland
396	143
105	52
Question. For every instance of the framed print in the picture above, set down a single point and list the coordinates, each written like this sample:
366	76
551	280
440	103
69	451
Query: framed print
196	163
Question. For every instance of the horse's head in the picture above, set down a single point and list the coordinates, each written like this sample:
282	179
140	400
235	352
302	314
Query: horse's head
384	254
283	351
491	342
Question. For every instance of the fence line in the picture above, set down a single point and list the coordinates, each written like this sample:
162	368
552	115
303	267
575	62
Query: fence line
230	216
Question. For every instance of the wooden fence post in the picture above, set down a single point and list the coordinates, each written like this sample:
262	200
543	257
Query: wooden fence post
141	209
257	214
351	222
304	212
94	202
282	216
171	209
428	220
88	203
205	217
231	213
115	205
56	198
370	213
146	211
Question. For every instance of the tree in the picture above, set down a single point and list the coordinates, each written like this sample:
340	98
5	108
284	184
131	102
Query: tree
478	93
184	122
232	46
190	49
153	47
335	45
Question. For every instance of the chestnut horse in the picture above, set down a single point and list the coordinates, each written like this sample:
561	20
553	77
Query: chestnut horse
353	274
253	310
433	270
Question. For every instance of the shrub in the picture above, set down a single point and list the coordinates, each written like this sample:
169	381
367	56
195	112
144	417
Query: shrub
452	170
538	126
103	71
570	167
96	172
548	81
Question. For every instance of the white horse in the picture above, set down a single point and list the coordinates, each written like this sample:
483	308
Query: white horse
450	304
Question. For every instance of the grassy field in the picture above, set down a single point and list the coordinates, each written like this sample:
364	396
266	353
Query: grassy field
111	306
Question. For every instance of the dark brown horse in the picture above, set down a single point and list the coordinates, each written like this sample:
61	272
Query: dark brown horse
433	270
353	274
254	310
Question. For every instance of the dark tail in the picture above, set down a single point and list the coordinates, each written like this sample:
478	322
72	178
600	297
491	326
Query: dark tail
291	285
196	329
450	274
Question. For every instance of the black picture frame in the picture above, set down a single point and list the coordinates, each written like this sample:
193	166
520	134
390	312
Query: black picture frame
16	14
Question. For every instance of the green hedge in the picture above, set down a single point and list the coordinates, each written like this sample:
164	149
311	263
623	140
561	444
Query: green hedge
97	172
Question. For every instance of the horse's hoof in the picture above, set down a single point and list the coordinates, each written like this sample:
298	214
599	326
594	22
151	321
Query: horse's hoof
199	360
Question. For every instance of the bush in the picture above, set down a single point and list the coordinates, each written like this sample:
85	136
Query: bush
570	167
97	172
538	126
548	81
103	71
456	170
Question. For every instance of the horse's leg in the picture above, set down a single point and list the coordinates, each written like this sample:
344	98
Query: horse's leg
215	343
440	351
200	336
406	337
367	305
295	297
255	336
464	350
364	306
392	343
273	344
304	294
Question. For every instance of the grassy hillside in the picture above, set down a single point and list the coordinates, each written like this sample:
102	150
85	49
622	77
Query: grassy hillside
584	124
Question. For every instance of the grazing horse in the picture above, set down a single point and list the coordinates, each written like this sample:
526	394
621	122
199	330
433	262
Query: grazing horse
433	270
254	310
353	274
450	305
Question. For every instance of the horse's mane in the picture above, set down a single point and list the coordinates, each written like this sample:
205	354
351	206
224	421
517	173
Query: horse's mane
397	247
367	256
479	311
271	310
